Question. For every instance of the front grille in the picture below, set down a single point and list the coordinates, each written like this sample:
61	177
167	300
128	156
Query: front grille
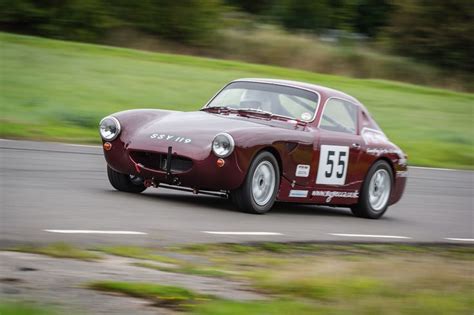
157	161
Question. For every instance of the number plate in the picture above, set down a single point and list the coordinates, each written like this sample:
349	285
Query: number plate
333	163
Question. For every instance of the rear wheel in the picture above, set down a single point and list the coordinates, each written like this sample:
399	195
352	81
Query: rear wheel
125	182
258	192
375	192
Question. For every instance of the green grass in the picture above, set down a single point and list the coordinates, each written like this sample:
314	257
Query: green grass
276	307
347	279
161	295
189	269
23	308
59	250
138	253
309	278
59	90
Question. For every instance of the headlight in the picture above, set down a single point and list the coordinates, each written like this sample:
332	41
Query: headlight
223	145
109	128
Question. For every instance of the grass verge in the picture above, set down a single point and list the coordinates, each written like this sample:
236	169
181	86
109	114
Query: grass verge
188	269
349	279
138	253
23	308
59	90
321	278
59	250
275	307
162	295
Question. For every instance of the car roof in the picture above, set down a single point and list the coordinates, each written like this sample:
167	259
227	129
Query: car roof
324	91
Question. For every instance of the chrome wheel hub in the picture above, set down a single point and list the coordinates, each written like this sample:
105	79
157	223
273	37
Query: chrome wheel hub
379	189
263	183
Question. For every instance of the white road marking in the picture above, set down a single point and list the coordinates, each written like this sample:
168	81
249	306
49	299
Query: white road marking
370	235
83	145
241	233
437	169
96	232
459	239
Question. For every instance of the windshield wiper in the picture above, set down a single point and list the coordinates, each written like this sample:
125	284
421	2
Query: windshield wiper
255	110
265	113
218	109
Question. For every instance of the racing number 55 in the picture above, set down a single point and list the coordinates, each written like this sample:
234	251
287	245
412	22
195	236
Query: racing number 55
340	163
332	168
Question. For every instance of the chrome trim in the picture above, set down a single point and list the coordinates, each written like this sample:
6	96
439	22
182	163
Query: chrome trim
117	123
275	83
232	144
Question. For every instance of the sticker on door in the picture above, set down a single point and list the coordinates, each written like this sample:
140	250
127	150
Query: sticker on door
333	164
302	170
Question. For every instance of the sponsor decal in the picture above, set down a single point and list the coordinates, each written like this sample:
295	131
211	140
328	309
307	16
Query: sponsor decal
333	163
335	194
298	193
162	136
302	170
373	136
378	151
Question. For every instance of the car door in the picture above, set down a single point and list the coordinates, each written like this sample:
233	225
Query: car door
338	150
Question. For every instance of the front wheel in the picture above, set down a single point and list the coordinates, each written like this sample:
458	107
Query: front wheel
124	182
258	192
375	192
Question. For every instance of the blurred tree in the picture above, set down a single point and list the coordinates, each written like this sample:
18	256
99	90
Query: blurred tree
69	19
188	21
439	32
372	16
260	7
303	14
362	16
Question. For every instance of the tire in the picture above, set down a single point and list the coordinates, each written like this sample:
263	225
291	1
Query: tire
373	201
264	174
124	182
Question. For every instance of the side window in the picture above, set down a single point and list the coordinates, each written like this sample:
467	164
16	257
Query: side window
340	116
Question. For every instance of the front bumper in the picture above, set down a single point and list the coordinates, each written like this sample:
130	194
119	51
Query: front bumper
186	169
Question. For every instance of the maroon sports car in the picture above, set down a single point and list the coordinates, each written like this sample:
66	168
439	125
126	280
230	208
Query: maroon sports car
258	141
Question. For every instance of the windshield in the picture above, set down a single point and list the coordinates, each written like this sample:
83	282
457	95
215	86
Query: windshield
276	99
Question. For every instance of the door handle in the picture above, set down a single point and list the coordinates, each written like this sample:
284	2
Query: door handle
356	145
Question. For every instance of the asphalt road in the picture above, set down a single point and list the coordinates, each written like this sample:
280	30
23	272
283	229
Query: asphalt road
50	186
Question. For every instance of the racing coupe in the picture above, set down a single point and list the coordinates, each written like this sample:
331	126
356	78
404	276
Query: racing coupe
258	141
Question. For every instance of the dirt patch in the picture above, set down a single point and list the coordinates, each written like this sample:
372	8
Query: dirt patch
61	282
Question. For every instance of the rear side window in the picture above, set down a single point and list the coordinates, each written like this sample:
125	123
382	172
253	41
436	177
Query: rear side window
339	116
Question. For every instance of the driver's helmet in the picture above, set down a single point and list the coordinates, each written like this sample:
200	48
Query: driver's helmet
256	99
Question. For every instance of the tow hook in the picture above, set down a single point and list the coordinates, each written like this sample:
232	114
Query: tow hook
151	183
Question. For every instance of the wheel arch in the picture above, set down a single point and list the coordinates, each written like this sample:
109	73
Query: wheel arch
382	158
275	153
389	162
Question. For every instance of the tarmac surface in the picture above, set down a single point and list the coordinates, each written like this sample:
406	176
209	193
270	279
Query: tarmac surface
53	192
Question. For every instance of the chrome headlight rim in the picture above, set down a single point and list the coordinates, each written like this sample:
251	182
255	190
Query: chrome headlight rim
117	126
231	145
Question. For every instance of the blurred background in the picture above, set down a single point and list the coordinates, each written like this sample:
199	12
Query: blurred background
65	64
372	49
359	38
